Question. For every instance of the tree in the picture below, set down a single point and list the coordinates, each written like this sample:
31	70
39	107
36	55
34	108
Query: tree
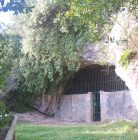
9	53
3	53
18	6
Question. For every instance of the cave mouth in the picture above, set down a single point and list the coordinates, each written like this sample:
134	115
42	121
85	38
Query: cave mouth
95	78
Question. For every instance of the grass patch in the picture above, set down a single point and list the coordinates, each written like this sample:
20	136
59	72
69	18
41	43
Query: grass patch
116	131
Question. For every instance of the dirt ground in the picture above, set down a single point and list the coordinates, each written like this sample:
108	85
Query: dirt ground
41	119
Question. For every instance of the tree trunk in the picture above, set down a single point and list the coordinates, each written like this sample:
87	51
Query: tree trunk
48	104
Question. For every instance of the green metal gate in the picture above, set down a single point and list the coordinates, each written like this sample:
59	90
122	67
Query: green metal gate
96	106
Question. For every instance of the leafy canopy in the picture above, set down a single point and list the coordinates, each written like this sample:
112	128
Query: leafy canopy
9	52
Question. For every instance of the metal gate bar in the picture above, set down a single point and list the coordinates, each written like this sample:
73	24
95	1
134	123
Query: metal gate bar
96	106
93	79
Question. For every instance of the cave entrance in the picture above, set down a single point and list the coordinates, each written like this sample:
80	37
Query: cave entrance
94	78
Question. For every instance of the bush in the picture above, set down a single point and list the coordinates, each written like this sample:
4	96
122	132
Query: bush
4	116
126	57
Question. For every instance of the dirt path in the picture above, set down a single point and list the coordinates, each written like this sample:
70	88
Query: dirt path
40	119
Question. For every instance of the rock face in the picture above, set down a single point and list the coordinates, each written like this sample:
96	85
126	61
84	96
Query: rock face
46	104
130	76
124	34
94	53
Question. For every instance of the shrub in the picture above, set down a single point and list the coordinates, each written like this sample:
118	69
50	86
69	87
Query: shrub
126	57
4	116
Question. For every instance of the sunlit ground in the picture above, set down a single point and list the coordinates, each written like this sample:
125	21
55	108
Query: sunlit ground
115	131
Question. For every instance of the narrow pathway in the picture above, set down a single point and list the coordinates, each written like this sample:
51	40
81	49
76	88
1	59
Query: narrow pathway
40	119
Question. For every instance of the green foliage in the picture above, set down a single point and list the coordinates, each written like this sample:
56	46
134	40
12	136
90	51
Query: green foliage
3	54
16	101
126	57
9	51
49	55
52	35
90	15
4	116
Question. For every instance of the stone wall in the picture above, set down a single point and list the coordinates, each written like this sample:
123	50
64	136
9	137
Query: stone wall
117	105
76	107
79	107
